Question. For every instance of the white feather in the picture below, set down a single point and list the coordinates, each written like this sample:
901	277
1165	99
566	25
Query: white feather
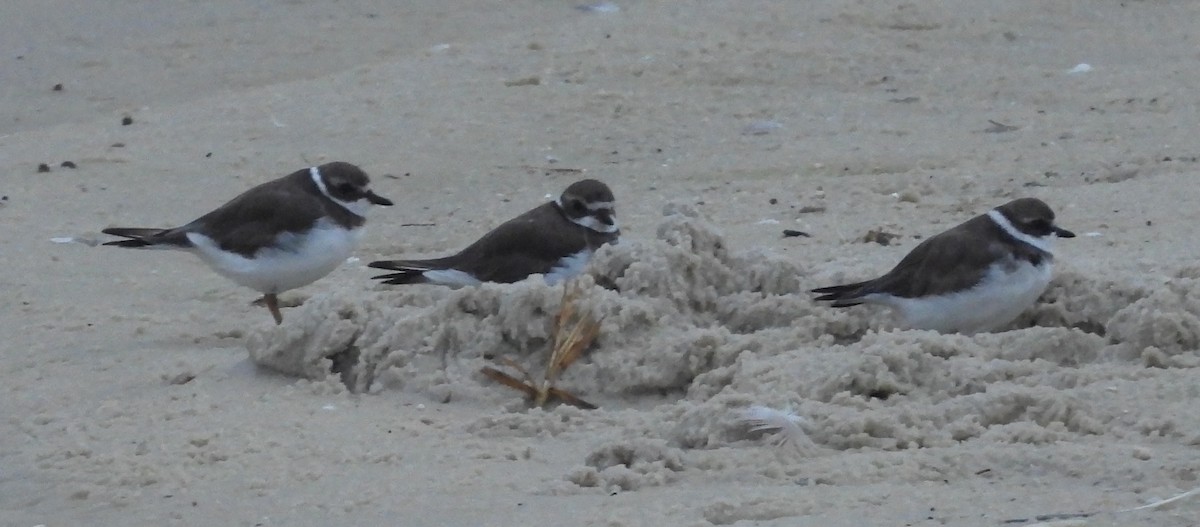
784	422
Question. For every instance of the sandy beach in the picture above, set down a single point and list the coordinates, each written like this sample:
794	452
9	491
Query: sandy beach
140	388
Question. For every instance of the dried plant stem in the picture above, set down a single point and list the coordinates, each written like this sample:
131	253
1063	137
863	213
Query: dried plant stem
573	333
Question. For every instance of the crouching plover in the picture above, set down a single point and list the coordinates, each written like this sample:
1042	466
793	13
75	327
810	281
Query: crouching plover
277	236
555	239
975	277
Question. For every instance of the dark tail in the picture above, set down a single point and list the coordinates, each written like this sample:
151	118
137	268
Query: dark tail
845	295
139	237
407	271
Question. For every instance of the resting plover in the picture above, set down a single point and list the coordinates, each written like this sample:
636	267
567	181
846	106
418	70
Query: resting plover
555	239
277	236
975	277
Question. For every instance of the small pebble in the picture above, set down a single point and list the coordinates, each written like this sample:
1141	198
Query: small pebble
761	128
789	233
126	121
1080	68
880	237
68	164
58	87
527	81
1119	174
43	168
182	378
600	7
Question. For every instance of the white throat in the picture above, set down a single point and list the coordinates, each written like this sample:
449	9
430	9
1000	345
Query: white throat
591	222
1043	243
357	208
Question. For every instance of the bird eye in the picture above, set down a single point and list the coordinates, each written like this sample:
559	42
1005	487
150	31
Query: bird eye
1040	226
578	206
345	188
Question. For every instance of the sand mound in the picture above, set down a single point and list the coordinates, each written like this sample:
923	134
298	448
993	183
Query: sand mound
692	332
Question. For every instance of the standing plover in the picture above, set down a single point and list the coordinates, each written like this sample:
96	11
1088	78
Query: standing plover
277	236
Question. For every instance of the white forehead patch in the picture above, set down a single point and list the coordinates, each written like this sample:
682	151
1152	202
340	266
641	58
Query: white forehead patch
1043	243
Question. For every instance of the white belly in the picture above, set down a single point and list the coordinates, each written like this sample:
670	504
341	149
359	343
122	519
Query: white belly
998	299
569	267
450	277
294	261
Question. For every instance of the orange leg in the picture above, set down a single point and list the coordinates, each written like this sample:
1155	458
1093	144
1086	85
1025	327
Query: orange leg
272	303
